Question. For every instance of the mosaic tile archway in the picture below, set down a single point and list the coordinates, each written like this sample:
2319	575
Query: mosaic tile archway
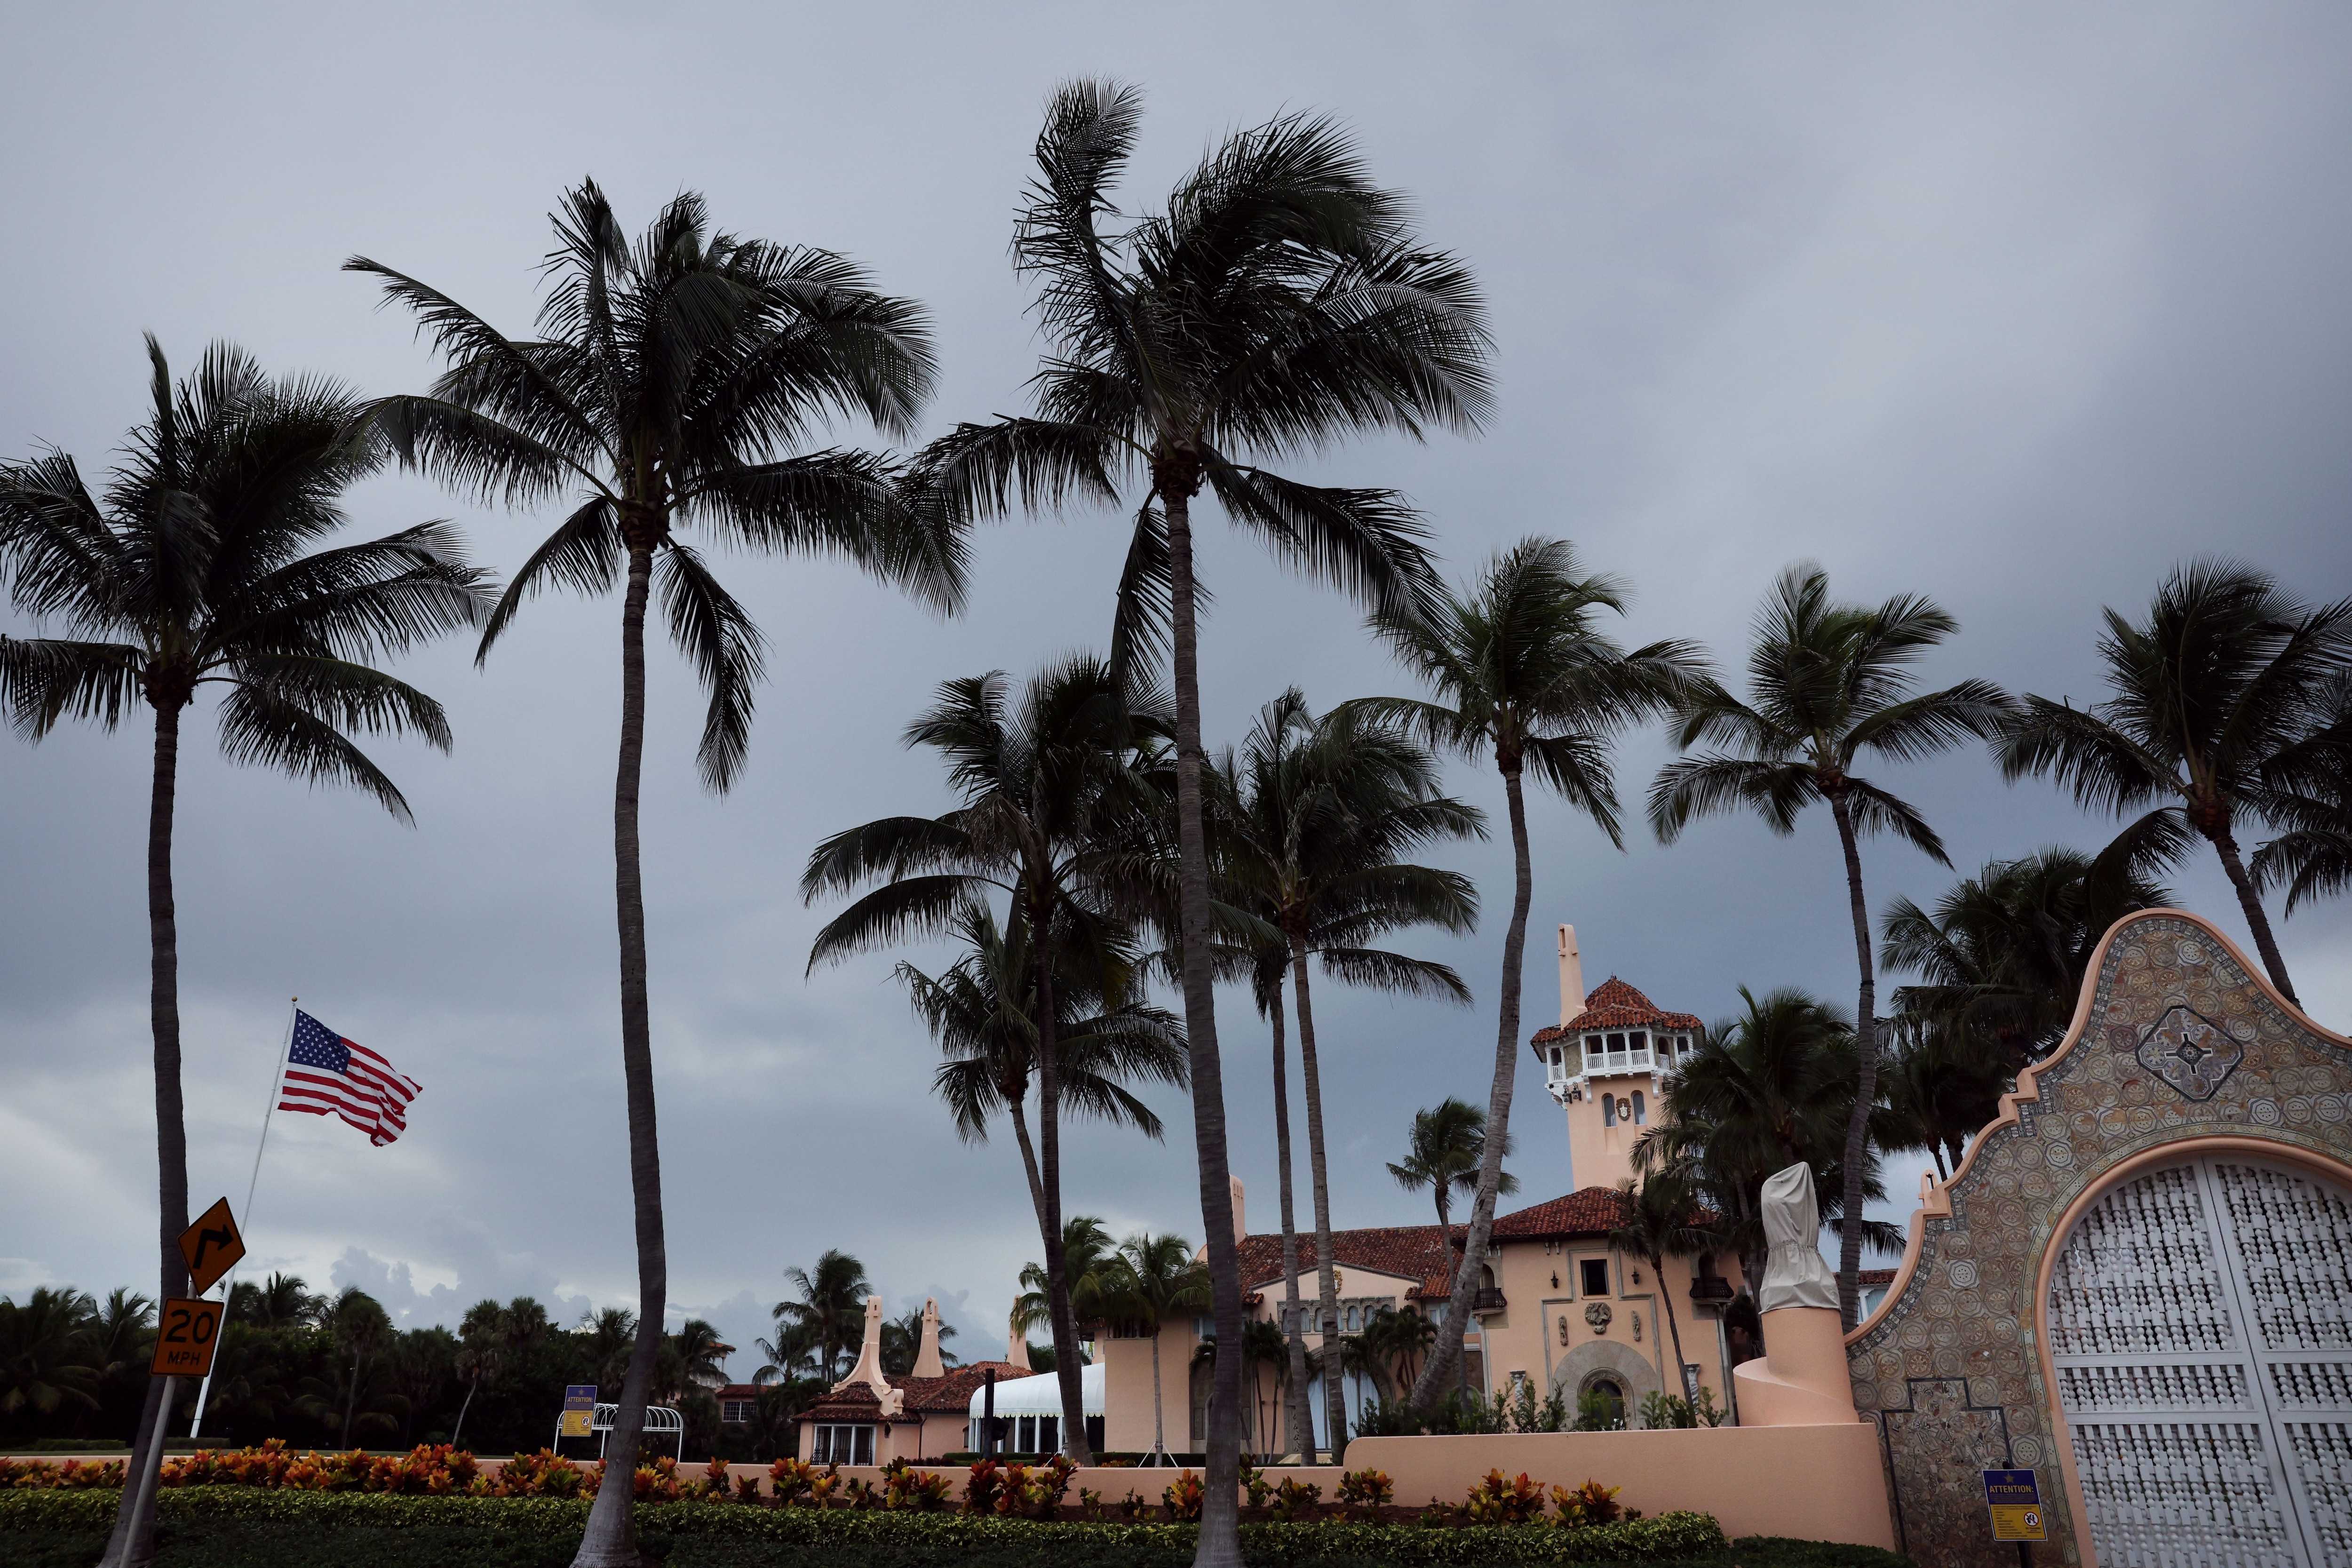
2178	1048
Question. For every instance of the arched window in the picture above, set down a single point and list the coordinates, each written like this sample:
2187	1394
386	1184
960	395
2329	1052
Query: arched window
1641	1110
1607	1110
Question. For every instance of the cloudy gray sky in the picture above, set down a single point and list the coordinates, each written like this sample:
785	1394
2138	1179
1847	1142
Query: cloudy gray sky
2013	305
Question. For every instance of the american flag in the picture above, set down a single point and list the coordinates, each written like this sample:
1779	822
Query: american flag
328	1075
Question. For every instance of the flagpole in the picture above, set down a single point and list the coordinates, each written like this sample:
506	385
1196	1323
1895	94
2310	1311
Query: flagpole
229	1286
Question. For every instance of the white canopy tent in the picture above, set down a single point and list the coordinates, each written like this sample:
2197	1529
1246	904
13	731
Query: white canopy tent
1033	1405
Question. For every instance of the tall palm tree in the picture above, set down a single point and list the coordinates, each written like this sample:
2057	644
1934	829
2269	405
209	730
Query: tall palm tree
282	1302
1086	1246
1827	683
1151	1279
673	383
2310	782
44	1357
1768	1087
791	1356
1940	1085
360	1329
482	1334
1279	301
610	1336
1448	1155
1315	819
1662	1220
832	1306
1523	673
1059	788
699	1356
902	1342
2227	672
1447	1151
2005	952
201	564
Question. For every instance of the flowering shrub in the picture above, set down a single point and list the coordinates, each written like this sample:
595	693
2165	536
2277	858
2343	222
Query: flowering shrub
1498	1501
1590	1503
1363	1493
788	1480
1255	1485
1295	1499
823	1487
980	1491
73	1474
904	1487
714	1479
1182	1499
1036	1491
747	1489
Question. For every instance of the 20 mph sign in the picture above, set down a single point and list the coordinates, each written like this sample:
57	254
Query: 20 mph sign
185	1338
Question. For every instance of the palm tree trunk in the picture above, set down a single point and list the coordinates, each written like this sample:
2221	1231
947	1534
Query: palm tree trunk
132	1542
457	1428
2226	846
1674	1328
1302	1426
610	1541
1159	1427
1220	1545
1335	1400
1866	1085
1446	1355
1029	1161
350	1398
1068	1372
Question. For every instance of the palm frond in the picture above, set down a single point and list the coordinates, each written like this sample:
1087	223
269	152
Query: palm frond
716	631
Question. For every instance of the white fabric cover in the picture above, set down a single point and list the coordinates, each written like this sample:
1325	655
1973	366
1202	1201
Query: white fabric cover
1794	1273
1039	1393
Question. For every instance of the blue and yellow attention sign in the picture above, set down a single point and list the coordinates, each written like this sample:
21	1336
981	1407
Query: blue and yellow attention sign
580	1404
2016	1503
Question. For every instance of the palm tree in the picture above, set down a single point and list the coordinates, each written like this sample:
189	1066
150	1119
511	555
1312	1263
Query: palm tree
2226	673
1522	672
1768	1087
1399	1338
359	1328
283	1301
1058	791
1662	1220
670	385
482	1336
1448	1155
791	1356
1448	1148
198	566
1827	683
2005	952
1150	1280
1086	1246
1313	821
1279	302
1940	1085
44	1353
698	1356
2311	801
832	1307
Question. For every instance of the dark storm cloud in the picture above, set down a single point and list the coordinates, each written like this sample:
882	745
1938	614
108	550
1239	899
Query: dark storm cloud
2016	306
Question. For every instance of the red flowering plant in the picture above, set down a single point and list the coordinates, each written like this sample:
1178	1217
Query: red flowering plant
1036	1491
1182	1498
905	1487
714	1480
1498	1499
1590	1503
980	1489
71	1474
788	1480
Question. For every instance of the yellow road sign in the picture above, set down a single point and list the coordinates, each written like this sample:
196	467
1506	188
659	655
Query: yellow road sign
186	1335
211	1246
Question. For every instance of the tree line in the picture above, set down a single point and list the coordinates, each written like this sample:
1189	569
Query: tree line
676	395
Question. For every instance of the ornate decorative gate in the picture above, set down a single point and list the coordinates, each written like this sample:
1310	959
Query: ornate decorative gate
2137	1284
2200	1326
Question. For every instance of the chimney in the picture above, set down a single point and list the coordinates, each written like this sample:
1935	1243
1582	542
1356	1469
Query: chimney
1241	1219
927	1355
1571	976
1016	1344
869	1370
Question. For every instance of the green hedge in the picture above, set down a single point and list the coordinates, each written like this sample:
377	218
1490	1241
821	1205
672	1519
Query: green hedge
232	1527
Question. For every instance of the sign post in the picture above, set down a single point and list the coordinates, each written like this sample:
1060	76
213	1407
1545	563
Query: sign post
2014	1498
579	1410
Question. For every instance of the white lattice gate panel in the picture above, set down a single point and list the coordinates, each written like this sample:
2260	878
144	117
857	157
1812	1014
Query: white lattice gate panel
2292	1239
2201	1439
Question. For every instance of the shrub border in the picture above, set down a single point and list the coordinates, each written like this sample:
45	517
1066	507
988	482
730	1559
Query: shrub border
1665	1538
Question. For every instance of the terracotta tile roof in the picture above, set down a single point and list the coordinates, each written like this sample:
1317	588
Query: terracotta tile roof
1613	1005
1415	1251
735	1390
858	1401
954	1392
1869	1276
1588	1211
1408	1251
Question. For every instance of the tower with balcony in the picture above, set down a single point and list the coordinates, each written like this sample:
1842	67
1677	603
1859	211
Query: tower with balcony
1602	1064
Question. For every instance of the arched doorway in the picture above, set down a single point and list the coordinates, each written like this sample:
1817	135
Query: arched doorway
2200	1323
